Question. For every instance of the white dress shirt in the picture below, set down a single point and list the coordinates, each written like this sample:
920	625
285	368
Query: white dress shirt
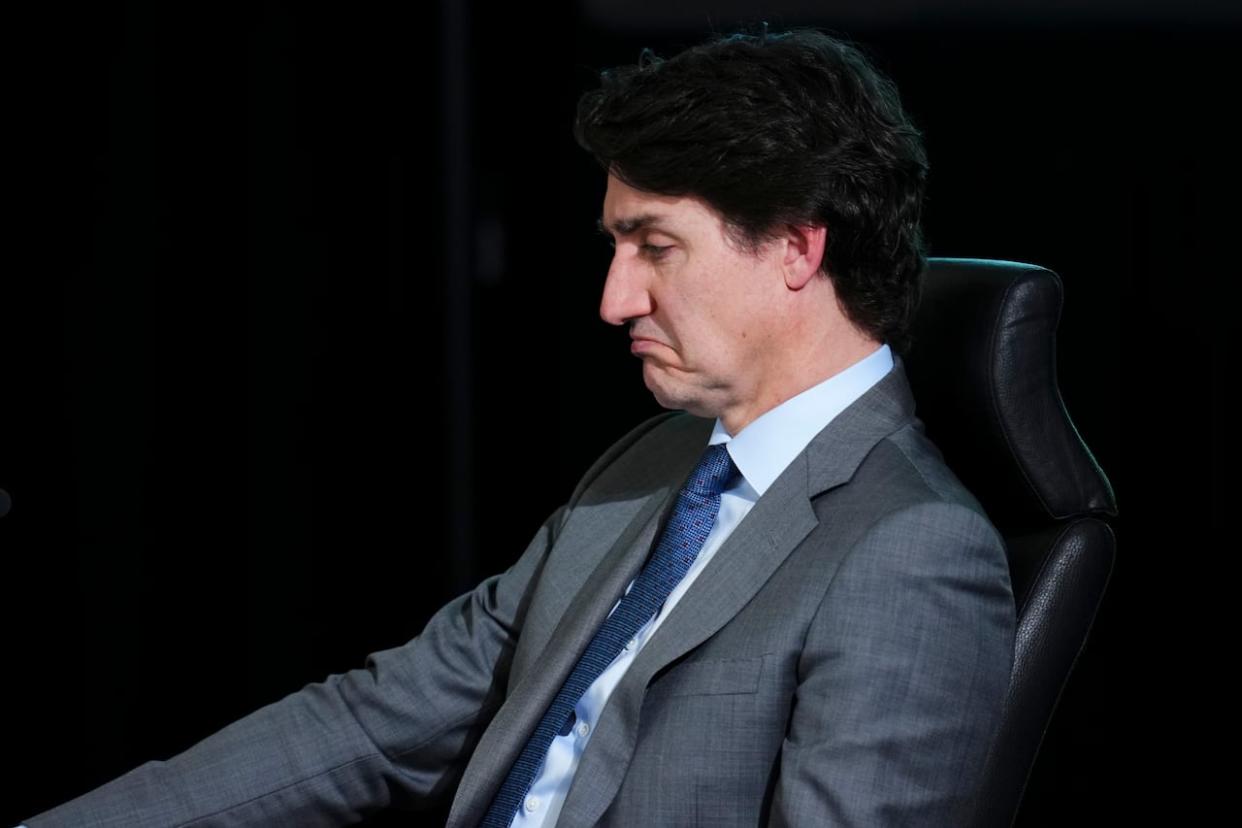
761	451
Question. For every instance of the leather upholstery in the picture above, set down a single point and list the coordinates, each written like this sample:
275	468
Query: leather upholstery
983	369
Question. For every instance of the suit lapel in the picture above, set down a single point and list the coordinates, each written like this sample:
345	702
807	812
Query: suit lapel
776	524
505	737
570	591
773	528
554	639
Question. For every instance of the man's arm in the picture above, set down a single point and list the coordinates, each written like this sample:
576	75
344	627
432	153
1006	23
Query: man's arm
335	751
902	678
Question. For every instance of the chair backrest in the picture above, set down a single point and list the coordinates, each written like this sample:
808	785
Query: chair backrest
982	366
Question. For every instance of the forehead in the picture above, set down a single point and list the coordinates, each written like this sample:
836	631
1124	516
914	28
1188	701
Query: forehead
627	210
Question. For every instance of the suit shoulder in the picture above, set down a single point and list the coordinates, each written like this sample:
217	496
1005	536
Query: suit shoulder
908	504
910	470
664	437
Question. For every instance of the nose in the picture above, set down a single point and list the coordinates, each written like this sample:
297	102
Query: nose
625	292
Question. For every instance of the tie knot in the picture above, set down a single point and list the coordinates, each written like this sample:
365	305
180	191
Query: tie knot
713	471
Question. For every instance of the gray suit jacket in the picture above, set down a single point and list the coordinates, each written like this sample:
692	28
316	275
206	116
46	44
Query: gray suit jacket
841	661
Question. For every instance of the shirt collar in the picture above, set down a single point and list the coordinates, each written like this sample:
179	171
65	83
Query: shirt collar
769	443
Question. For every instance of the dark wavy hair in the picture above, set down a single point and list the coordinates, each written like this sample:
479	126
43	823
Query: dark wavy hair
772	130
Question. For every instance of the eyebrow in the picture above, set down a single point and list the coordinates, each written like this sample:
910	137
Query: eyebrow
624	227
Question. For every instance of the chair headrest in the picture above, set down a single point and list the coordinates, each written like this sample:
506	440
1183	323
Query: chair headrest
982	366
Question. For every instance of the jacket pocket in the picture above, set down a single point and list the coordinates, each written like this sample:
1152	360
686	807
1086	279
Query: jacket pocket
709	677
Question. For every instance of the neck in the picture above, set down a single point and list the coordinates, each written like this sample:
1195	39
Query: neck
805	369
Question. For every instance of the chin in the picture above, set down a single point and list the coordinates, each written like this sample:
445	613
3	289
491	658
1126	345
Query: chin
679	398
665	399
676	402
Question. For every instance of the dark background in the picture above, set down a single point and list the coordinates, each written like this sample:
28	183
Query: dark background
301	338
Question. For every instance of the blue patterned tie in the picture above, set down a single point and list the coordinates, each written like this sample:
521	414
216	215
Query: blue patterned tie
683	537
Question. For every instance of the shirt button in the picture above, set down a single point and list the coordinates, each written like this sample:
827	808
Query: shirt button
532	803
583	729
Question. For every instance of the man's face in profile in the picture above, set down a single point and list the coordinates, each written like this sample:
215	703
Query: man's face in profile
704	315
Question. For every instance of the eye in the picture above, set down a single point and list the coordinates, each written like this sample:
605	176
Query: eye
653	251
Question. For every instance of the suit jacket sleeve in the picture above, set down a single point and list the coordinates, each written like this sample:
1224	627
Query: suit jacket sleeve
335	751
402	727
902	678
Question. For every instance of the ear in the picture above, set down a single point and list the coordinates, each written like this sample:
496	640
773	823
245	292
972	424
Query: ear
804	252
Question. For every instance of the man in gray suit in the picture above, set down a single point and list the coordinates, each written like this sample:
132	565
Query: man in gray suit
772	605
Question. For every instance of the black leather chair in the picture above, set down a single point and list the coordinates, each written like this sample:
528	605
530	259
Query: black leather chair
983	369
